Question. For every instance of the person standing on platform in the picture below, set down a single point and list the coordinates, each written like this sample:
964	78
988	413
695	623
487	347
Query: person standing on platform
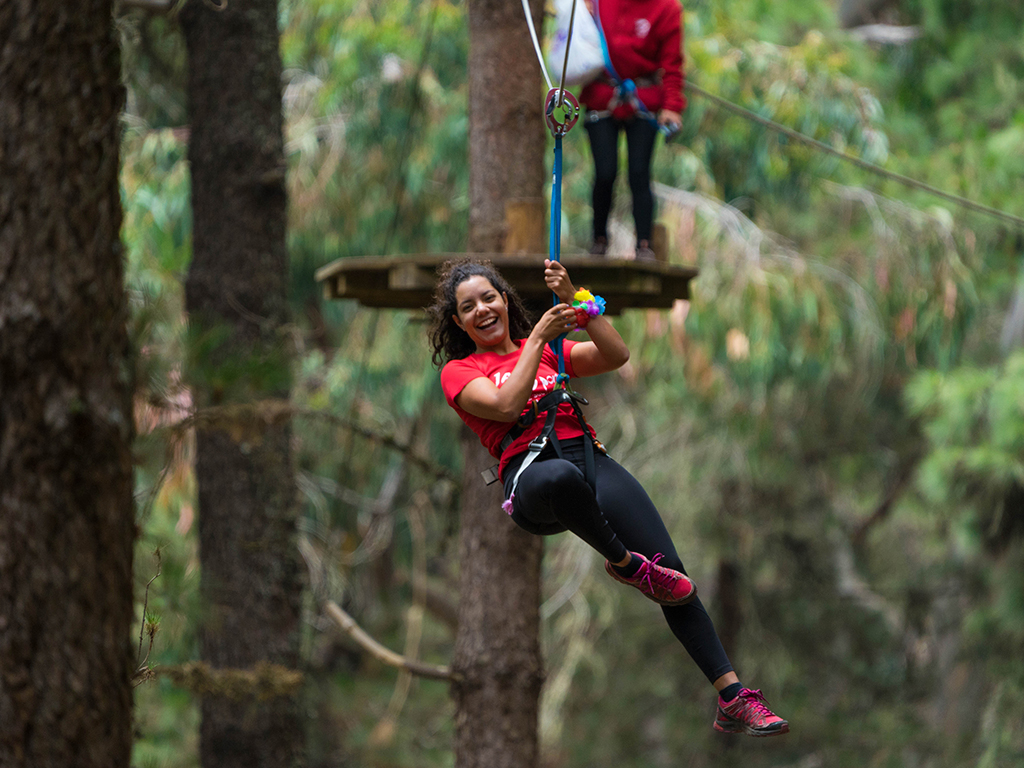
644	42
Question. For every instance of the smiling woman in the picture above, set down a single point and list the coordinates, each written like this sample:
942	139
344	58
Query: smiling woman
482	313
449	340
500	376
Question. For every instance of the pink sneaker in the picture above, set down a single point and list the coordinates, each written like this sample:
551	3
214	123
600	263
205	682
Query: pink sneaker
749	713
660	584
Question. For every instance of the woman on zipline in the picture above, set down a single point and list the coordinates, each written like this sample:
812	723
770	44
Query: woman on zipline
500	376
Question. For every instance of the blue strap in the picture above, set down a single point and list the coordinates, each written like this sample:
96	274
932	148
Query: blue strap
555	242
604	44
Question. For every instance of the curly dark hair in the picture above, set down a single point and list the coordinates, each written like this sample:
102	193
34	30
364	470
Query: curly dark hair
448	340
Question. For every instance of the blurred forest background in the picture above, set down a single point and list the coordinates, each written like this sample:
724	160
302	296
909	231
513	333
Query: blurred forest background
832	427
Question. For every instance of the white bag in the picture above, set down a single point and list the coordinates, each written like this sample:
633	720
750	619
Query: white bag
586	57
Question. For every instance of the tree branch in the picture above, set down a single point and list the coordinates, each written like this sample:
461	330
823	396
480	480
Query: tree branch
241	419
263	681
904	475
886	34
384	732
382	653
141	669
851	585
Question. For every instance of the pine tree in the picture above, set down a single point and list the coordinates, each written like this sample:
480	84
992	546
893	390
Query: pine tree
66	514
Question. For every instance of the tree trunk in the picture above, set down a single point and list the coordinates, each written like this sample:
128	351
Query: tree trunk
237	303
497	646
506	117
67	521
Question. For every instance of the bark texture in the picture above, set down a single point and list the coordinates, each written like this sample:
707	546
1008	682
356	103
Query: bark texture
506	117
237	304
497	646
66	514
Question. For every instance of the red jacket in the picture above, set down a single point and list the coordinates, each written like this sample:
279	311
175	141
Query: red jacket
644	36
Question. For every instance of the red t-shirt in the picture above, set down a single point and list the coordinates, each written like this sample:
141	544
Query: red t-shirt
643	36
456	374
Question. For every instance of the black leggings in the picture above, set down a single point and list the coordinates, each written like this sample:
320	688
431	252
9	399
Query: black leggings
553	496
604	145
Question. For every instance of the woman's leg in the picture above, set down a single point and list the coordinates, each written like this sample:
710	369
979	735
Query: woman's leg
640	137
604	141
553	496
633	517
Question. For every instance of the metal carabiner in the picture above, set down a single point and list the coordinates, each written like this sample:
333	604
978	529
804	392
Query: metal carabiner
576	396
568	393
564	100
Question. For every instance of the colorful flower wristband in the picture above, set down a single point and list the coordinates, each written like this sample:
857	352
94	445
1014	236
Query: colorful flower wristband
588	302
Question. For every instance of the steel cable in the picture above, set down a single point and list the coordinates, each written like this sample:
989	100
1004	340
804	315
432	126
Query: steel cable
862	164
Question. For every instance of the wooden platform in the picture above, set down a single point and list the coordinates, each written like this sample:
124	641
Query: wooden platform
407	282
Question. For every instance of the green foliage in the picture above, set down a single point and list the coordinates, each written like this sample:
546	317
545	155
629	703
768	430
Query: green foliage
969	64
805	87
154	64
974	422
954	98
973	419
783	22
156	234
377	124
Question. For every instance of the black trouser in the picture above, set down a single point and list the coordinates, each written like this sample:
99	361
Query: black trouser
554	496
604	145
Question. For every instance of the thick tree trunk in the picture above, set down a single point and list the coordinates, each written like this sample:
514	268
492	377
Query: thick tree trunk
497	646
66	516
237	303
506	117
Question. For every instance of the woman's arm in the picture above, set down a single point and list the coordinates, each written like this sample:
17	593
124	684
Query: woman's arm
670	61
606	350
482	398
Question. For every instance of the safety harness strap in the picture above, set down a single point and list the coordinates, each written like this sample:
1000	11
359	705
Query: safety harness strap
537	446
550	403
